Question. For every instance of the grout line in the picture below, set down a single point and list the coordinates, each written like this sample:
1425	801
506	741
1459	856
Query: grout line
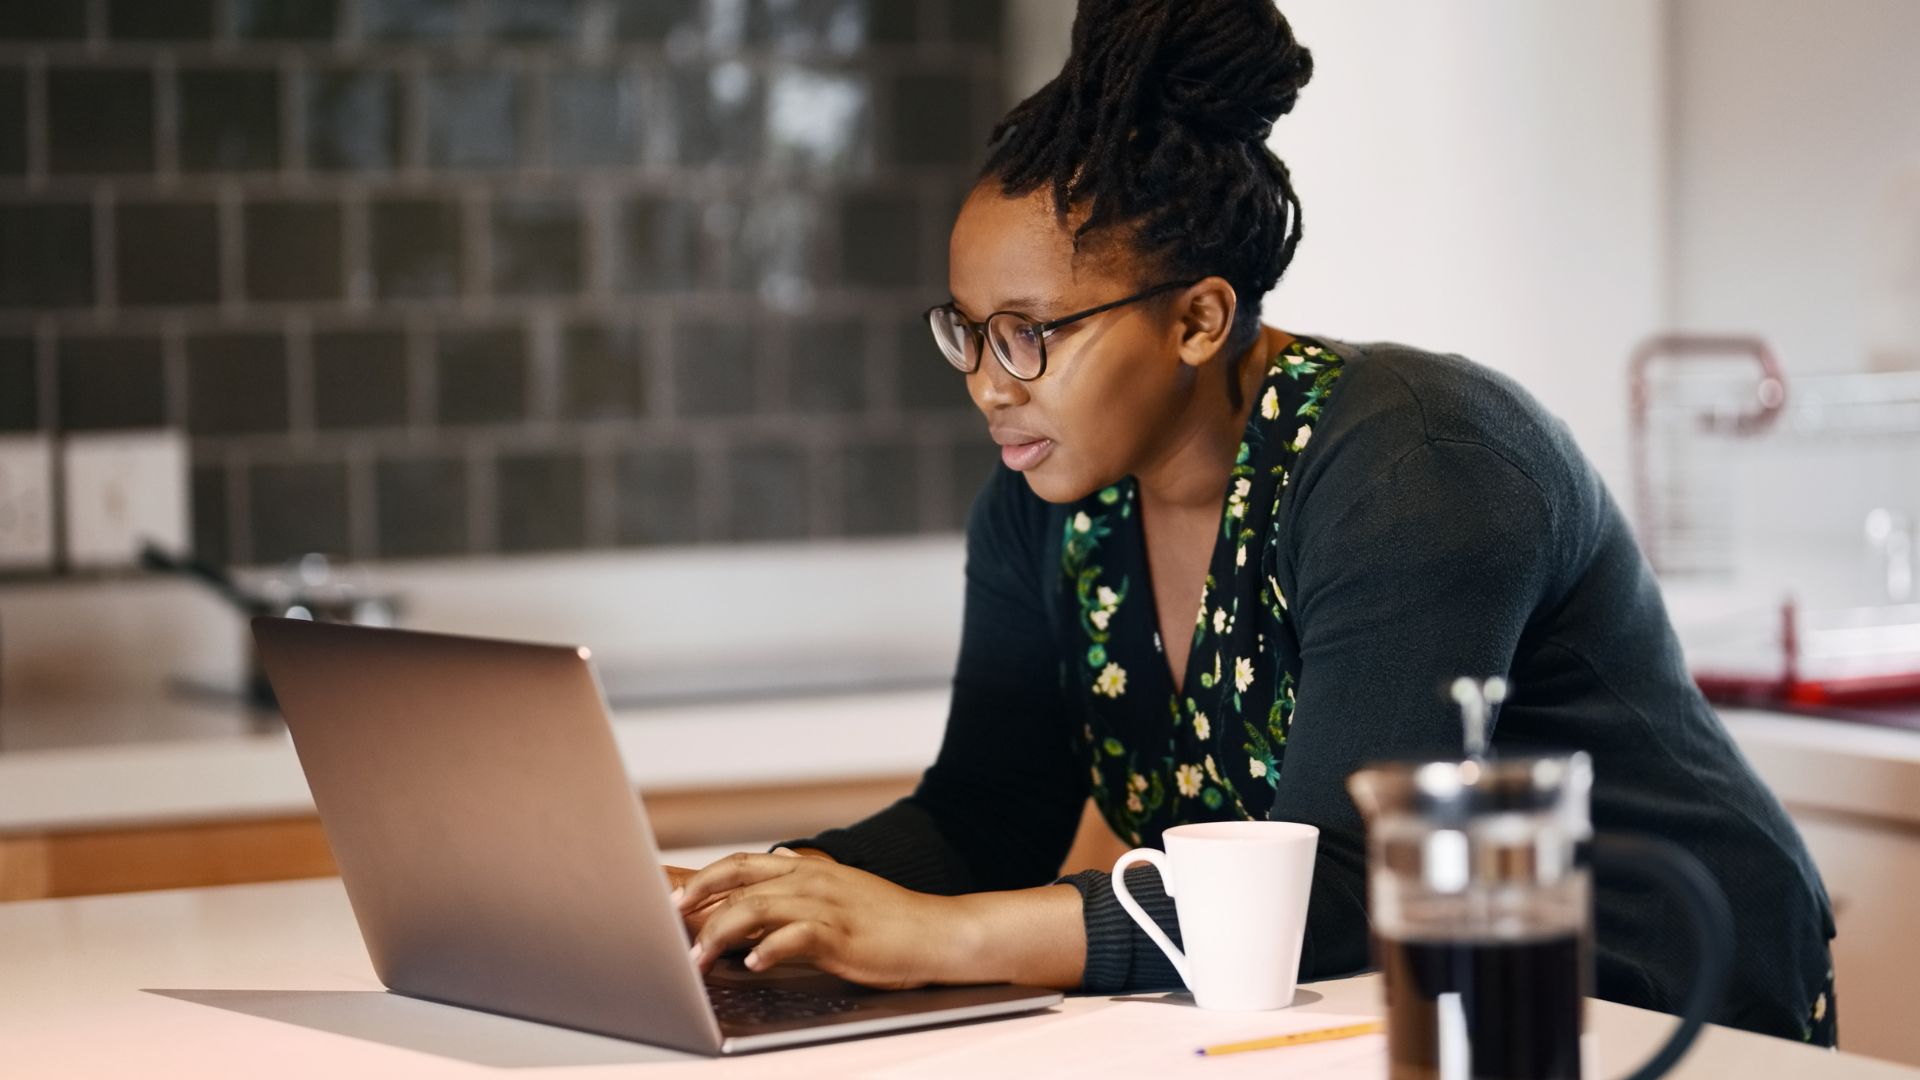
602	491
96	24
476	270
543	350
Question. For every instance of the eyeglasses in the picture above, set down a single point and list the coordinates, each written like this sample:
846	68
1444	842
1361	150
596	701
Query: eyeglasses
1019	341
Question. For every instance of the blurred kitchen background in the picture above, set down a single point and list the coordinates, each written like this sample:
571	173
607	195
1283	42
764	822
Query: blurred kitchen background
597	321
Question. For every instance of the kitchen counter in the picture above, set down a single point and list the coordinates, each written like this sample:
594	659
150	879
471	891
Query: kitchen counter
272	980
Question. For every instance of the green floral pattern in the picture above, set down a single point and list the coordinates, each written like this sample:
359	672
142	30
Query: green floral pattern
1215	752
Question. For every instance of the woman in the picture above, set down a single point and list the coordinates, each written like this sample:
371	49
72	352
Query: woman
1354	525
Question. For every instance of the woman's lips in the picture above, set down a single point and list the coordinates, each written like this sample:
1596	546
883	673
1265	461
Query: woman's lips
1023	456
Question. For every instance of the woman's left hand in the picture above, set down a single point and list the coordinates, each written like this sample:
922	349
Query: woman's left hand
853	924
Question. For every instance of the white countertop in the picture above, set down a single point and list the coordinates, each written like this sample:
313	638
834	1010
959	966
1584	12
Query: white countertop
272	980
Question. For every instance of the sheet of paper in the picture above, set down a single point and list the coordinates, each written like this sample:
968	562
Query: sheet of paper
1158	1038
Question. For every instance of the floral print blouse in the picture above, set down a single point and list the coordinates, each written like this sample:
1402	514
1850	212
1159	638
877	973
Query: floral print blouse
1213	750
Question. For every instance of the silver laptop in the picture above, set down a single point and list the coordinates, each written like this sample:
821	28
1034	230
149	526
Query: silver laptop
497	858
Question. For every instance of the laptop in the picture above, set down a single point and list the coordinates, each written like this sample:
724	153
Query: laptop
496	856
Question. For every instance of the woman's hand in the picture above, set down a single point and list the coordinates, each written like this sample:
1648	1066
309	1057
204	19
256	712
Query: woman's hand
845	921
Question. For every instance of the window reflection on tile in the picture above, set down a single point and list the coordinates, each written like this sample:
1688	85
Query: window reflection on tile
661	244
536	246
596	117
535	20
353	120
471	119
411	19
775	252
819	120
833	27
713	115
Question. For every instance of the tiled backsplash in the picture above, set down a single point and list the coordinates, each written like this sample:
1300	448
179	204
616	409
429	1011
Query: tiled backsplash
433	277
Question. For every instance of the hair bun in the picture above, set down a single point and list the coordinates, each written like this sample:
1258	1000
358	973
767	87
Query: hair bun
1229	68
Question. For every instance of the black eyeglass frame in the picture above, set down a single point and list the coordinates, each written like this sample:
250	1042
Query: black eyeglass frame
977	331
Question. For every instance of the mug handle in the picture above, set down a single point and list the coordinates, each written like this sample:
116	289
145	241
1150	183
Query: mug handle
1159	860
1684	878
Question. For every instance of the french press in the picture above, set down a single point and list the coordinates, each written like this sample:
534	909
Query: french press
1480	892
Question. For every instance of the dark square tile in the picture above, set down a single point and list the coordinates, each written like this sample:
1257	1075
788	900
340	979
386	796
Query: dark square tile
662	244
417	247
713	367
827	371
286	20
542	501
236	383
658	496
293	251
298	508
537	246
924	378
19	385
46	20
412	19
46	255
534	20
603	365
972	460
715	114
971	21
422	506
769	488
472	119
360	379
353	120
100	120
111	382
168	253
894	23
483	376
211	523
934	121
882	488
596	117
880	239
229	119
154	20
657	20
13	121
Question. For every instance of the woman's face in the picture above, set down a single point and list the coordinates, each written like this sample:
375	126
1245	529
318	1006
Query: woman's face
1113	381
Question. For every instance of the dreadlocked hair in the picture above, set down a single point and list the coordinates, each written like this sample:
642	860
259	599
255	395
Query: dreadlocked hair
1158	124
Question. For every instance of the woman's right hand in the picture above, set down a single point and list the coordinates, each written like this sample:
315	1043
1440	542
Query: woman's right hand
677	878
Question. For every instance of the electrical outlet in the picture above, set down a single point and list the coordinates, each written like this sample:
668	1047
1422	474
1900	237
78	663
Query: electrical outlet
26	502
121	489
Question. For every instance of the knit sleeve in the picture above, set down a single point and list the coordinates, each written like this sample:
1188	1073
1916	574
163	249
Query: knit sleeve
999	806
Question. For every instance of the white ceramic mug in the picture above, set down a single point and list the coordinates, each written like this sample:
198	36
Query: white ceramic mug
1239	889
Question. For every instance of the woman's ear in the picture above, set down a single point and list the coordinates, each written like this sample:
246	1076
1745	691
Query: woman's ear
1205	319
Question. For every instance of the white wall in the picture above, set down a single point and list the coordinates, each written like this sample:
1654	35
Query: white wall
1791	121
1480	176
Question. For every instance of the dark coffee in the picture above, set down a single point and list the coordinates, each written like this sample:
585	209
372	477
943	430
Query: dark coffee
1518	1007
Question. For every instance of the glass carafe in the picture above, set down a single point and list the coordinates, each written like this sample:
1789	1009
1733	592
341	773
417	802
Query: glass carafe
1480	893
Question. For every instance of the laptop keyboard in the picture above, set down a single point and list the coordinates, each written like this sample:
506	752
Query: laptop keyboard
770	1004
